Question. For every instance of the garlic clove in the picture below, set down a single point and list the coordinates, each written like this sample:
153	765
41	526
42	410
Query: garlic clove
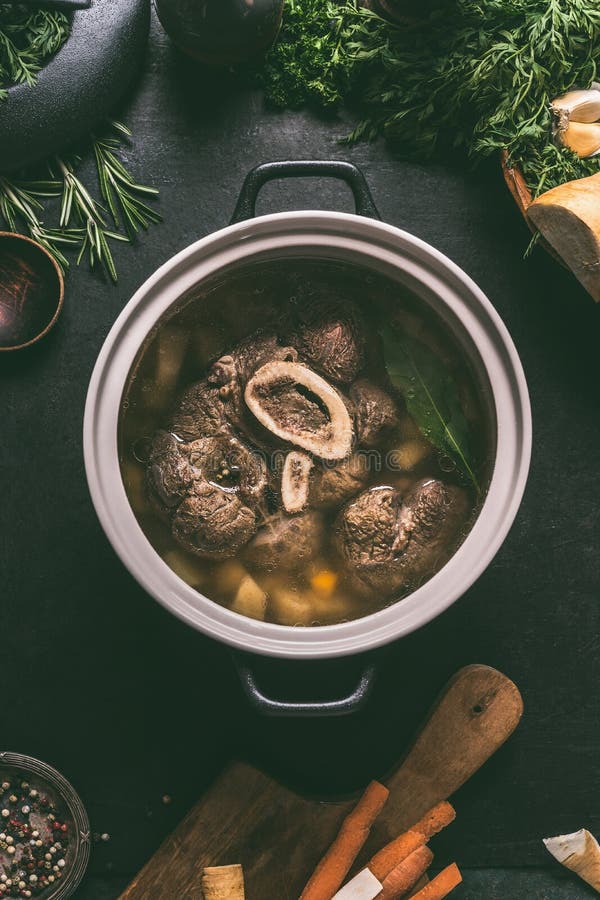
577	106
582	139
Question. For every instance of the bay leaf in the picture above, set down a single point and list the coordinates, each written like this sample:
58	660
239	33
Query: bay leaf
432	397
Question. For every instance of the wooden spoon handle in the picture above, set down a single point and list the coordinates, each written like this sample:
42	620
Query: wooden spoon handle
476	713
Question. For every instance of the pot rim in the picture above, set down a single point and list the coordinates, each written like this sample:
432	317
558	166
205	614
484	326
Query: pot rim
303	233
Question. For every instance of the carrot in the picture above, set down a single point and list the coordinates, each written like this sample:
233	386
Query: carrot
441	885
438	817
335	865
434	820
406	874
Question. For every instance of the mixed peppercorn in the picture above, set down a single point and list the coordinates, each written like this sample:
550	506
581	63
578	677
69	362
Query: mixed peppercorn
34	839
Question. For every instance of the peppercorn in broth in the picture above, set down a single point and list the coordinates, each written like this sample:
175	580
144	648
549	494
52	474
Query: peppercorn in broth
305	442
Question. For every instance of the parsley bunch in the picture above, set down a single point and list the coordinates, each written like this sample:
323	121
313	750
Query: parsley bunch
475	75
309	64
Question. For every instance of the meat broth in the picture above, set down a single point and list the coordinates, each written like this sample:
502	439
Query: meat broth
305	442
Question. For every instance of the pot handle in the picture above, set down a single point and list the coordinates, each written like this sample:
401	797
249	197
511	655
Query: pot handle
269	706
311	168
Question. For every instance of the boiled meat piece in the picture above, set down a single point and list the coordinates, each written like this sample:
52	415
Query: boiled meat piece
389	542
367	529
375	413
331	334
286	542
213	522
199	412
248	356
169	474
212	489
230	464
298	406
434	515
332	485
231	373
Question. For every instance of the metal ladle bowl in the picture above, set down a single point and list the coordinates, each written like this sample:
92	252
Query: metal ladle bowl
31	291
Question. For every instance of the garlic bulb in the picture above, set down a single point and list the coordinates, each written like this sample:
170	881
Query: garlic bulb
577	106
577	121
583	139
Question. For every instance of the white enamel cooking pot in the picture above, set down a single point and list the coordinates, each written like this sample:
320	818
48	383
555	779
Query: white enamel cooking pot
360	239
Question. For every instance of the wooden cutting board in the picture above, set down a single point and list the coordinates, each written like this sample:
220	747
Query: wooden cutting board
278	836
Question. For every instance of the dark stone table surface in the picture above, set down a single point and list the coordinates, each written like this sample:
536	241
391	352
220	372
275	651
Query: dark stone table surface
130	704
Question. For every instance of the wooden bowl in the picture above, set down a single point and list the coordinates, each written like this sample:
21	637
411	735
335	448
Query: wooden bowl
523	198
31	291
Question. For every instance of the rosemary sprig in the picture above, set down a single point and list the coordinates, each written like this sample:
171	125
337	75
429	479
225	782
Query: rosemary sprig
19	203
27	40
85	224
118	188
78	204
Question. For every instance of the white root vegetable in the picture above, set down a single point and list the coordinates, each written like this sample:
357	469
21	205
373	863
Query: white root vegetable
250	599
407	455
332	440
295	481
568	217
188	569
363	886
290	607
306	607
229	576
134	479
339	607
223	883
208	342
172	343
578	852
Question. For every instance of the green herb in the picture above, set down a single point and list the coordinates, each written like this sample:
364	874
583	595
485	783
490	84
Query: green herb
308	64
475	76
27	40
432	398
84	223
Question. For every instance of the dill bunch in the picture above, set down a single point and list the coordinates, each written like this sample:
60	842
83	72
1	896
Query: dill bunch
475	76
27	40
